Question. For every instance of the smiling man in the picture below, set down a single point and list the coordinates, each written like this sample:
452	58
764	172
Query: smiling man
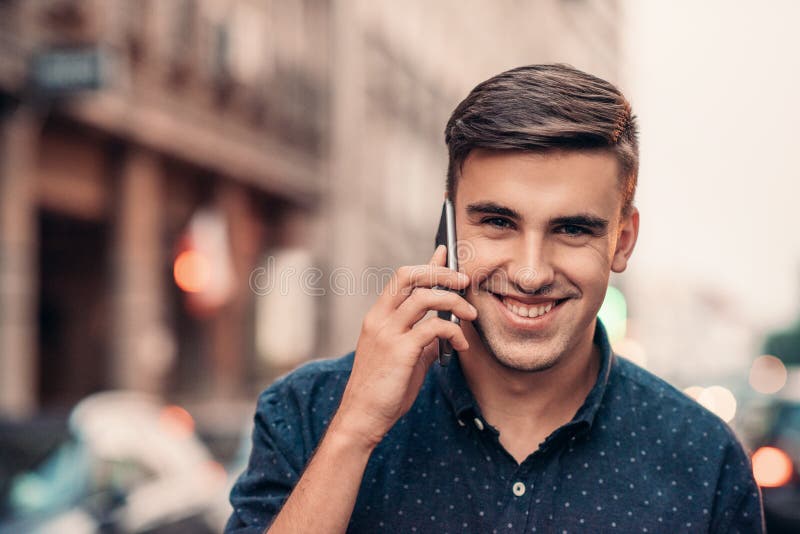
543	233
536	425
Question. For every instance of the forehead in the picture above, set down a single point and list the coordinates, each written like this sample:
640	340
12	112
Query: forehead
559	181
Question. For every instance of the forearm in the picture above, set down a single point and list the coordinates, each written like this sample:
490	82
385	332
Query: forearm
324	497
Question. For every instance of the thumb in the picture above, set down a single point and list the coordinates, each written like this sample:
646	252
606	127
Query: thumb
423	365
430	353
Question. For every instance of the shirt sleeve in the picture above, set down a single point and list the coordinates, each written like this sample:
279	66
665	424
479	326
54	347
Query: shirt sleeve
274	467
738	507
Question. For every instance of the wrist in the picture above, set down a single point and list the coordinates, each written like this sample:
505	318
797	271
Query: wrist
353	430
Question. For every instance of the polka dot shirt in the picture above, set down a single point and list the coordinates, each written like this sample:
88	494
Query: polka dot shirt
638	456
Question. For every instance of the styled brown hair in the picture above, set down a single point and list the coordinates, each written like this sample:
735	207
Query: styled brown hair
541	108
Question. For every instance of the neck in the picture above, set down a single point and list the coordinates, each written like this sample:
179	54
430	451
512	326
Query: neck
520	402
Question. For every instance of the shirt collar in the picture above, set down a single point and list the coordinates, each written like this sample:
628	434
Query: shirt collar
455	388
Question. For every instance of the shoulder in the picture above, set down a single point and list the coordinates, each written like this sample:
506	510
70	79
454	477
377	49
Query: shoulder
689	445
293	412
639	388
312	379
309	394
320	369
661	406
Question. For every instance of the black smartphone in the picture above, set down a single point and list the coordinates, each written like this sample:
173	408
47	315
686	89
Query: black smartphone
446	235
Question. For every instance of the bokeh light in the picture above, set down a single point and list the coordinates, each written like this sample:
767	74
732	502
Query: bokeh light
632	350
771	467
192	271
719	400
767	374
176	421
614	314
693	391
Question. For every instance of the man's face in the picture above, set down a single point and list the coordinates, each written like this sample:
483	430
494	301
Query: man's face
538	230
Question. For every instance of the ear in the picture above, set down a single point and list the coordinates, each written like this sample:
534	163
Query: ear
626	240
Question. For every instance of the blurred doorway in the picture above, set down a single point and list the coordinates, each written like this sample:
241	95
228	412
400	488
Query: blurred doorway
74	318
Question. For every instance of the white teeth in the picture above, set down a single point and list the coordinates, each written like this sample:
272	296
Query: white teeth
533	311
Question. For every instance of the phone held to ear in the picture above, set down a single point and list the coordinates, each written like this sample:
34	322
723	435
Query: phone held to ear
446	235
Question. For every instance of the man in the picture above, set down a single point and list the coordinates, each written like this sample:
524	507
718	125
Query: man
535	426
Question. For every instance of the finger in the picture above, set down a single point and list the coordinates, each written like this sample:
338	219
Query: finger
429	354
422	299
406	278
439	256
426	331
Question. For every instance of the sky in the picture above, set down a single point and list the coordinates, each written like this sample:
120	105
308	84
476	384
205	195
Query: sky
715	86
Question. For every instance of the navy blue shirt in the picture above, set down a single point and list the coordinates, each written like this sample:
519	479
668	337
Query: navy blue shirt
638	456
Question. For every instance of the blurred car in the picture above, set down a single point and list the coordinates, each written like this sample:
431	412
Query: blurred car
776	458
124	463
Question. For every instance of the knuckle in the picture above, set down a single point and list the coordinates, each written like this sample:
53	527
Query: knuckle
453	299
389	286
420	295
426	326
453	329
421	274
404	291
412	299
404	273
439	325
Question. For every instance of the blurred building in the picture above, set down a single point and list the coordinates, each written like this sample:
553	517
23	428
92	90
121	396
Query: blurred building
121	121
396	76
157	156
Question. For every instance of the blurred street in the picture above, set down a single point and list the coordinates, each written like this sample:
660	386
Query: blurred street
197	196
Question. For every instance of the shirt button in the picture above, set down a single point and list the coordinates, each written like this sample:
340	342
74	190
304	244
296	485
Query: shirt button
461	423
519	489
478	423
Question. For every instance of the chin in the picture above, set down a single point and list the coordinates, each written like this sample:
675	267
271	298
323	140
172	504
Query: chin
526	356
526	365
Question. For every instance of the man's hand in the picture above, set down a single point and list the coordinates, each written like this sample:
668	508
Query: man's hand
394	352
397	345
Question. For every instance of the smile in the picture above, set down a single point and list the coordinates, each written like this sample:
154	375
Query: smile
528	312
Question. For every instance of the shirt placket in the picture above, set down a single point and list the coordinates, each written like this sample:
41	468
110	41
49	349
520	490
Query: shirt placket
524	488
518	484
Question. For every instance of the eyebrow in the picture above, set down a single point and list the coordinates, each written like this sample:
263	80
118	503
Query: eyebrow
481	208
582	219
587	220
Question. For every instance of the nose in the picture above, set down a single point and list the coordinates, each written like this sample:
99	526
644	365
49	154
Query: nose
531	270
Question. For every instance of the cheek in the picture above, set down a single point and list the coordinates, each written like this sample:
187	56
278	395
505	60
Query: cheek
478	258
584	266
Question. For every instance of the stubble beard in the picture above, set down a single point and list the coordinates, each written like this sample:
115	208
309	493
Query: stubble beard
499	351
